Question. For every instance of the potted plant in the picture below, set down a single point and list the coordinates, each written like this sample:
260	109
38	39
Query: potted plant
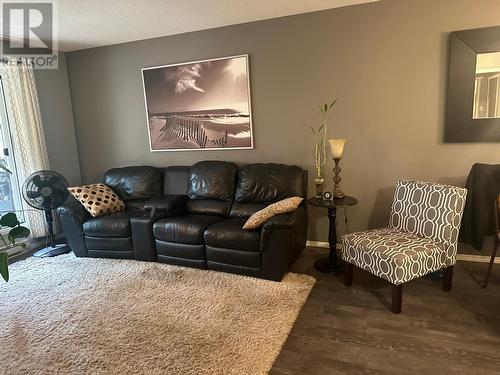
16	232
320	147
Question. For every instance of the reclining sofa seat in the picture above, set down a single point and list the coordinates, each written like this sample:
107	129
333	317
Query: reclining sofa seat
210	190
110	236
267	251
221	198
193	216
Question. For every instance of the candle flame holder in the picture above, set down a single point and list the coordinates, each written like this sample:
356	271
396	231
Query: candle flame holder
337	192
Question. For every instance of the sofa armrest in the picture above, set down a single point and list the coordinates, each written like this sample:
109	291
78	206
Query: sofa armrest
74	209
73	215
143	238
166	205
281	221
283	237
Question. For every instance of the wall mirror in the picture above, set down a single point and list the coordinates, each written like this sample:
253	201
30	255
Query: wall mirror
473	93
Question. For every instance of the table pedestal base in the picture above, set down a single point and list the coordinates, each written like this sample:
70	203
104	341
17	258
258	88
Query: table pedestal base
332	264
324	265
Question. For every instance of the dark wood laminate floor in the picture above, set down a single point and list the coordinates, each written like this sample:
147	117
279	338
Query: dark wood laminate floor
351	330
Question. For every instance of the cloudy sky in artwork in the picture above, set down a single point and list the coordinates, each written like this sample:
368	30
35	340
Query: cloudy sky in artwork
209	85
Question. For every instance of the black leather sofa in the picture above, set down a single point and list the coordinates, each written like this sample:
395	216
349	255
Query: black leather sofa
193	216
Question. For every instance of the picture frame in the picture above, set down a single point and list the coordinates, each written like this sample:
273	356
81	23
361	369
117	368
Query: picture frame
199	105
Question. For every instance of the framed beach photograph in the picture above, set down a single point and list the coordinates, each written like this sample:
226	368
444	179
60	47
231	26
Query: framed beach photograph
199	105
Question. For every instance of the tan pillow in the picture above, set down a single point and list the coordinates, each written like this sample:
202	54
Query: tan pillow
98	199
281	207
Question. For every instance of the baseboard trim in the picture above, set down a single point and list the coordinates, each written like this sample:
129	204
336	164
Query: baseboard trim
476	258
461	257
321	244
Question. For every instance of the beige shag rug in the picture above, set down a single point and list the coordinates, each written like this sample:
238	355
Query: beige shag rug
68	315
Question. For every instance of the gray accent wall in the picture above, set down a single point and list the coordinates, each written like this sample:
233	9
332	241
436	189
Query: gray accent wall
385	61
57	118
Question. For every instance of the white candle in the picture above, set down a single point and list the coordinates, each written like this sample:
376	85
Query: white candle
337	147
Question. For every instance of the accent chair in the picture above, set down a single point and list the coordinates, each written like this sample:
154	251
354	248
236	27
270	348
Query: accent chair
421	237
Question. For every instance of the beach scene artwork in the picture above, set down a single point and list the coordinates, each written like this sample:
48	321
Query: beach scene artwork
202	105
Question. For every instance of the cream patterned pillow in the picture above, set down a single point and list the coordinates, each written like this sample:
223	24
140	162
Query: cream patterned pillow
281	207
98	199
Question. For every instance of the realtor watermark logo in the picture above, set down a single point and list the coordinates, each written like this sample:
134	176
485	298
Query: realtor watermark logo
29	32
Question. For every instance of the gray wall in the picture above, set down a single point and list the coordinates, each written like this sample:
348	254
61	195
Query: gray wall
57	117
385	61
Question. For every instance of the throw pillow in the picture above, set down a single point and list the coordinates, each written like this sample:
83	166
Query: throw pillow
281	207
98	199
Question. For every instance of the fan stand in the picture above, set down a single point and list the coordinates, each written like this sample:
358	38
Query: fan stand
54	249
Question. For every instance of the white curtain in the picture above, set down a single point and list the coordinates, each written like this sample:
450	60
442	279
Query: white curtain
26	128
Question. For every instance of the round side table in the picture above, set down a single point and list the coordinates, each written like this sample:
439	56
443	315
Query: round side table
331	264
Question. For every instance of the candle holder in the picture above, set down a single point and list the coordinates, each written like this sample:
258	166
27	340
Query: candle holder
337	150
337	192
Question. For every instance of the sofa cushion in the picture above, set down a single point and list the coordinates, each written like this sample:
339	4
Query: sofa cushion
267	183
135	182
187	229
228	234
393	255
208	207
114	225
281	207
98	199
176	179
213	180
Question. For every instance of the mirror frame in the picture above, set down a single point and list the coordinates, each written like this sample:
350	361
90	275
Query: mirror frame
460	126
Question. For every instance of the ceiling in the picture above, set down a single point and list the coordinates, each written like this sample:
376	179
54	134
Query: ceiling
92	23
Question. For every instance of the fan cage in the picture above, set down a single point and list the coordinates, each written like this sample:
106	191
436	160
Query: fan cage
45	190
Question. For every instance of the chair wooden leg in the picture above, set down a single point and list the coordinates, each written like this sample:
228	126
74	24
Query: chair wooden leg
447	278
348	271
492	261
397	298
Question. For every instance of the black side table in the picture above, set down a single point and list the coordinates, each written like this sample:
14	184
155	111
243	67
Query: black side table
331	264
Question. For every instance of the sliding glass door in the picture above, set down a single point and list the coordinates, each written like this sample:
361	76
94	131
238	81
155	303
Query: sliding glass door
10	193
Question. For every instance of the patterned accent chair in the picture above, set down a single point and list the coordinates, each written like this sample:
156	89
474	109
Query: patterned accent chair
421	238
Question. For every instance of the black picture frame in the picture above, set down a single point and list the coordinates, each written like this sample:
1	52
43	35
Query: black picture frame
460	126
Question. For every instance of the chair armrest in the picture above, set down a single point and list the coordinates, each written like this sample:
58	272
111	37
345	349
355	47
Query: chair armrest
74	209
166	205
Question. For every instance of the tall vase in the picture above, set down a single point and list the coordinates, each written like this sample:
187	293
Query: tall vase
319	187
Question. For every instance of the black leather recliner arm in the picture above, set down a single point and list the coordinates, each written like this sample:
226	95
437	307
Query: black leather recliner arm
73	215
142	238
282	238
166	205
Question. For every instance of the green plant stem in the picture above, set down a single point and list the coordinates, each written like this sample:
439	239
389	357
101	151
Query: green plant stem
324	141
3	240
320	147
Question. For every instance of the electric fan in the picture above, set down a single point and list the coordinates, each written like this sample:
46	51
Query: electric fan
47	190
